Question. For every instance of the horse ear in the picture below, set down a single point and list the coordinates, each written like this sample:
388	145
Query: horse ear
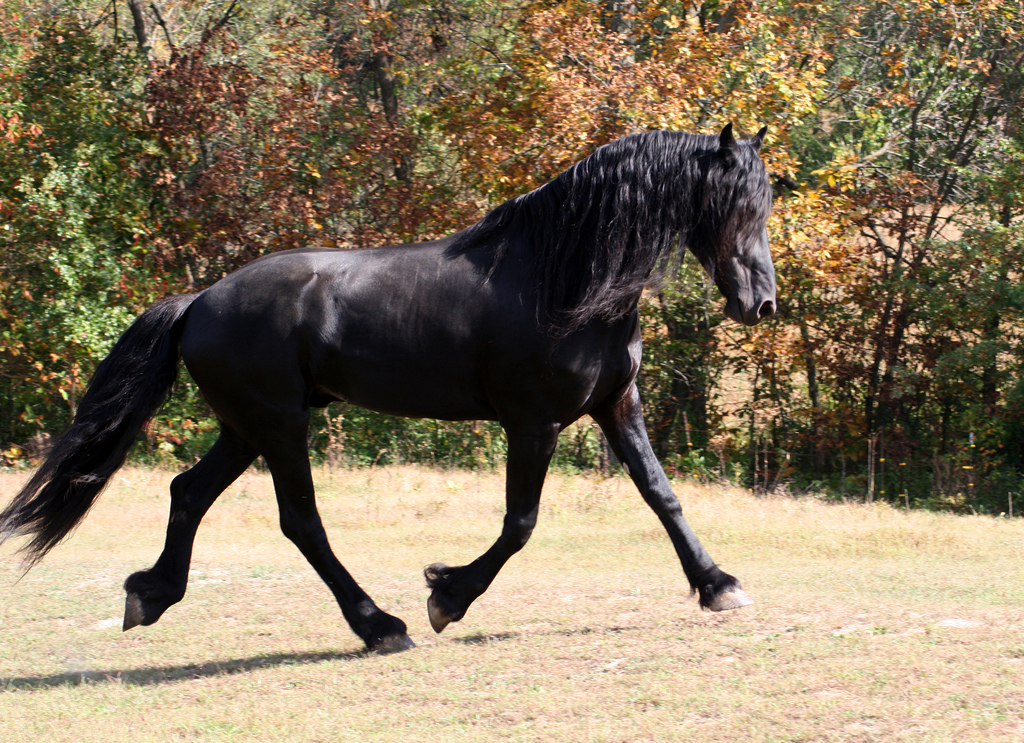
758	139
728	147
725	140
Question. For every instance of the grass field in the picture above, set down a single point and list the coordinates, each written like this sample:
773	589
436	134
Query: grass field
870	624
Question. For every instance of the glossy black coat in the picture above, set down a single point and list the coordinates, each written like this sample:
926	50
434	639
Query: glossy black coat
528	318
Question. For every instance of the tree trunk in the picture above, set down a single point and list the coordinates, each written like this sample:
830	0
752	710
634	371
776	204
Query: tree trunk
381	62
139	25
817	451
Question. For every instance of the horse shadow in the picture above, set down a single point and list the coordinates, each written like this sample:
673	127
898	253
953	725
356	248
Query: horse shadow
213	668
485	638
172	674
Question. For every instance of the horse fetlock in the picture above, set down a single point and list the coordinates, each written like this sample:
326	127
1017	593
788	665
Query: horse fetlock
438	575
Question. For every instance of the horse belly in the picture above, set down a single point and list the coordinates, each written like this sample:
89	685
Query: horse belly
434	382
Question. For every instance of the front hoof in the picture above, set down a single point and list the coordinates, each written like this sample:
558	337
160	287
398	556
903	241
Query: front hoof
731	599
133	612
393	644
439	618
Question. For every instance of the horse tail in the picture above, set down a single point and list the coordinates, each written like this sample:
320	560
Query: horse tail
128	387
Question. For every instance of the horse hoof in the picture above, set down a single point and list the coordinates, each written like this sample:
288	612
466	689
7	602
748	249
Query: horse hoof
732	599
439	619
393	644
133	614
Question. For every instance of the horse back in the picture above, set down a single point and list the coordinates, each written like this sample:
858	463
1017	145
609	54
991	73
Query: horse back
406	330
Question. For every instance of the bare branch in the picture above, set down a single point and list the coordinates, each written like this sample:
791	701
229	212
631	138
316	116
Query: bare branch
163	24
225	18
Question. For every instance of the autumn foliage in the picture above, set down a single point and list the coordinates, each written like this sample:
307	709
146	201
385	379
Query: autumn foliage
133	166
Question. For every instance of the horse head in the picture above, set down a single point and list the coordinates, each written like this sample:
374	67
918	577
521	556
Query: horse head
731	236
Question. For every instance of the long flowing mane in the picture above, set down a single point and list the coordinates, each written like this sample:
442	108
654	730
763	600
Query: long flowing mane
607	227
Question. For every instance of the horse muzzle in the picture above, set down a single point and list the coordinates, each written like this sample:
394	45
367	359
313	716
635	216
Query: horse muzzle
752	313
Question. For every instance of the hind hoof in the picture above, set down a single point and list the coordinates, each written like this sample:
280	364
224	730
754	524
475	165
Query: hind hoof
393	644
732	599
133	613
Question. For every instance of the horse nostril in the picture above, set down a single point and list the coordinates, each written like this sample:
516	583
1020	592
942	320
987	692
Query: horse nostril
767	309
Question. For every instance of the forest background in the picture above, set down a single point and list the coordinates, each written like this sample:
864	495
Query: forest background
148	148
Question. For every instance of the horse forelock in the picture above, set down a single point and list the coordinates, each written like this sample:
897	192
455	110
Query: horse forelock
616	222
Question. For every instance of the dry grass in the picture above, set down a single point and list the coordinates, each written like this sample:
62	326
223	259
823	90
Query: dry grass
871	624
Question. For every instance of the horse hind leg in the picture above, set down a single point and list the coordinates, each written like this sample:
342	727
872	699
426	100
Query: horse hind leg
288	460
151	592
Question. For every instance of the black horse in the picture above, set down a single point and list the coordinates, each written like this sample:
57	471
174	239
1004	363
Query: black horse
529	317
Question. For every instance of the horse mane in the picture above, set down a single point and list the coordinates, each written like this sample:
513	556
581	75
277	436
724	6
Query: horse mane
606	228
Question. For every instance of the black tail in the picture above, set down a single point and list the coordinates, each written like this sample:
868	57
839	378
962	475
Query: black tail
125	392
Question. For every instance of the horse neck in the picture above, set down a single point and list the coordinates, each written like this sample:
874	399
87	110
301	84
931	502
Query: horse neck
587	243
621	224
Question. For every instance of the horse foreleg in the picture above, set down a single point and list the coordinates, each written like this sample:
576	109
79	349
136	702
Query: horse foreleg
151	592
300	522
622	422
455	588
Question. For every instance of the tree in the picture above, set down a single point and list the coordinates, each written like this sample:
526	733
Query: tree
921	97
74	204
